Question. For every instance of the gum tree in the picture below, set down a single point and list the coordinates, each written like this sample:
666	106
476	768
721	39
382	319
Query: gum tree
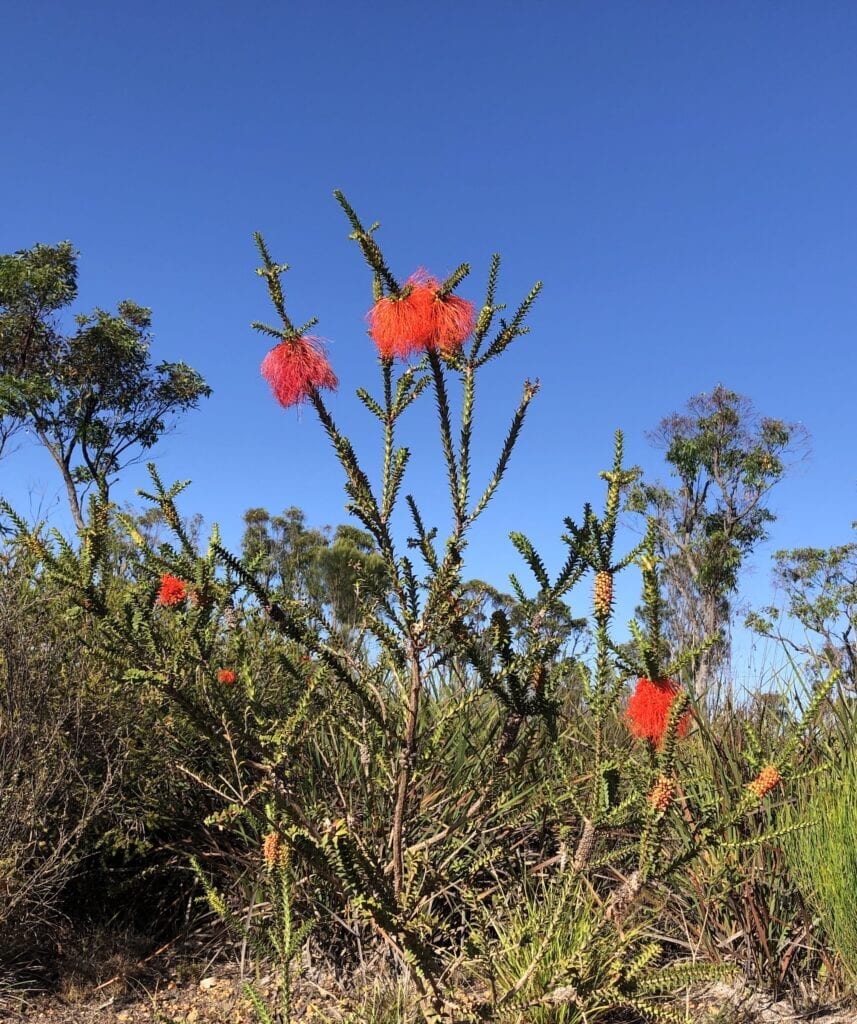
92	397
820	587
725	459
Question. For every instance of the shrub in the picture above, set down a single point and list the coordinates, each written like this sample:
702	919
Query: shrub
444	785
56	774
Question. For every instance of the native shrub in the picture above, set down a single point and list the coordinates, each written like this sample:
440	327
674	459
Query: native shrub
443	784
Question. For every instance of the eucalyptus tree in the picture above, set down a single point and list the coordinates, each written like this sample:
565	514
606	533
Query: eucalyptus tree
724	459
92	396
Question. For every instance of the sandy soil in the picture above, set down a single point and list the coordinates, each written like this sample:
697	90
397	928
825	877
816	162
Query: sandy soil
218	998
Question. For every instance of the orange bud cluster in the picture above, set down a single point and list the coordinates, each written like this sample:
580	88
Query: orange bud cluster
602	598
662	793
765	781
273	851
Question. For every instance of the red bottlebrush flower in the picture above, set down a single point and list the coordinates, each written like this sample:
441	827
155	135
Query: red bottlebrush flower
295	368
402	325
226	675
173	590
649	708
455	319
420	320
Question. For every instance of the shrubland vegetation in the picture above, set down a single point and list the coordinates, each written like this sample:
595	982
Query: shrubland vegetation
418	771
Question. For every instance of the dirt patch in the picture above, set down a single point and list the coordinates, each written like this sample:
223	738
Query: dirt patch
736	1003
215	995
217	998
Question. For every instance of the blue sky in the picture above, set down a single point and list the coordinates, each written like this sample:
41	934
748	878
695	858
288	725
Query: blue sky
680	176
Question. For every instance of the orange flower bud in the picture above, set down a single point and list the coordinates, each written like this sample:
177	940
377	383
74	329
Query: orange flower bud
662	793
765	781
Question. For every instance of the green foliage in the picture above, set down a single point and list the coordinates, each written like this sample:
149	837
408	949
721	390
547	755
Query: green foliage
739	902
58	774
553	962
340	572
93	399
275	937
726	458
820	586
446	780
822	856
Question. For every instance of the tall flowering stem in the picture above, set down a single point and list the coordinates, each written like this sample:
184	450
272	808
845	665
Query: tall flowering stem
423	316
296	367
446	321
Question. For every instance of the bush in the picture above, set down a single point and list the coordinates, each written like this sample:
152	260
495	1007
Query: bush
57	775
464	793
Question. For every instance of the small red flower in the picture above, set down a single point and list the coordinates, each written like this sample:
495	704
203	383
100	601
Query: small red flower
649	708
295	368
172	591
226	675
420	320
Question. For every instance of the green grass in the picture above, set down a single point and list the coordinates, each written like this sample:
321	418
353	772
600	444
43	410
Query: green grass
823	857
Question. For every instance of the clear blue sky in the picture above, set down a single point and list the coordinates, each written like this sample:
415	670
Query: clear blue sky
682	177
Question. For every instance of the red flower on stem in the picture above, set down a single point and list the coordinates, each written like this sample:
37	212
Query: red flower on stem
421	319
295	368
173	590
226	675
649	708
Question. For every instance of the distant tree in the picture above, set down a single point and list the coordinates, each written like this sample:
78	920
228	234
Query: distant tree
725	458
338	570
820	586
92	398
285	551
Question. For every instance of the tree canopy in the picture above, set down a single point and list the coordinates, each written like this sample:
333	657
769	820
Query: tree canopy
92	397
725	459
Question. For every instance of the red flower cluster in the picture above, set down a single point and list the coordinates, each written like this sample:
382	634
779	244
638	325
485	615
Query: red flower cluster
172	591
649	708
226	675
295	368
420	320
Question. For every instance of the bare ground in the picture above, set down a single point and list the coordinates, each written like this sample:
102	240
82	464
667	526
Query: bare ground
176	990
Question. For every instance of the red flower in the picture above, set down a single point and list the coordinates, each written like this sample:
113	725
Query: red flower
295	368
173	590
649	708
226	675
420	320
